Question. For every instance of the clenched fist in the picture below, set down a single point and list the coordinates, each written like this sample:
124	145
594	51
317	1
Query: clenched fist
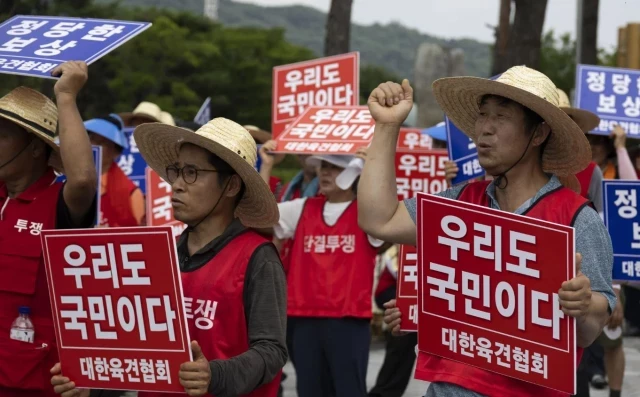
390	103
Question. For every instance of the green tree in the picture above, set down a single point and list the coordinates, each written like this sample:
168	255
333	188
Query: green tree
558	60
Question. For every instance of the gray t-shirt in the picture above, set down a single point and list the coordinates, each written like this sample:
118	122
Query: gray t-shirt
592	241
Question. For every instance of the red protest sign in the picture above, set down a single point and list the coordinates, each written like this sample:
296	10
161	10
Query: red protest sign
330	81
158	201
328	130
116	297
414	140
407	291
420	171
488	283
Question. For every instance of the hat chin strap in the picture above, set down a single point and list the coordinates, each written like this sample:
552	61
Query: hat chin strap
192	228
503	175
18	154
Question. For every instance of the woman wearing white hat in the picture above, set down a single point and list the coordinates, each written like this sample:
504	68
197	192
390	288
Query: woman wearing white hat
527	143
31	200
220	196
329	281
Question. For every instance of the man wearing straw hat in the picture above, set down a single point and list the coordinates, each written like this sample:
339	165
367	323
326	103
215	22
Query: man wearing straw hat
528	144
30	201
219	195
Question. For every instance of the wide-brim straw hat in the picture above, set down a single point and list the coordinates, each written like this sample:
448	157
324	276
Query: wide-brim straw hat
145	110
567	151
258	134
160	145
35	113
167	118
586	120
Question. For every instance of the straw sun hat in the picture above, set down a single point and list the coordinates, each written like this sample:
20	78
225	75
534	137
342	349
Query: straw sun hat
146	110
35	113
586	120
160	145
567	151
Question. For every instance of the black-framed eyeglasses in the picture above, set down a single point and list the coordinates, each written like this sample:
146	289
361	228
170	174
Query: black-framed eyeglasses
189	173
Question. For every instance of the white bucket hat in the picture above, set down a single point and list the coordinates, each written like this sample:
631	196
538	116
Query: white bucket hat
352	168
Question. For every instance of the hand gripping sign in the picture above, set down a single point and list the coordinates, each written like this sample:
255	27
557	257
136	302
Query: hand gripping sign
116	297
330	81
158	200
35	45
623	222
487	290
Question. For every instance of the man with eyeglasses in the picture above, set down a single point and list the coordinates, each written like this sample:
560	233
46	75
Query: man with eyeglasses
233	282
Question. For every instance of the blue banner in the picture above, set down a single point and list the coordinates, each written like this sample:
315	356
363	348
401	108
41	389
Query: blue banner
611	93
463	152
132	163
623	222
97	160
204	114
35	45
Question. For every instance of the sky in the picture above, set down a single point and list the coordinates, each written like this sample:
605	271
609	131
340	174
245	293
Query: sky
469	18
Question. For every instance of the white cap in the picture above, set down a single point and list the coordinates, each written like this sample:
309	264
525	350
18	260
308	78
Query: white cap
352	167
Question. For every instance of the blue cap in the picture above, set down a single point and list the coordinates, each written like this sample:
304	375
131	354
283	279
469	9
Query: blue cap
439	132
109	127
24	310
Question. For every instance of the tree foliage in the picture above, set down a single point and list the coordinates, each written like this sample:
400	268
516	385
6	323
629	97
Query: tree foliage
558	60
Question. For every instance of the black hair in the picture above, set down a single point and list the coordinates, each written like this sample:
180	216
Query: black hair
225	171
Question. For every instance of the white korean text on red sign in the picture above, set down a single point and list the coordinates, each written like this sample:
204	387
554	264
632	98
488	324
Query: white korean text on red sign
118	310
330	81
328	130
488	284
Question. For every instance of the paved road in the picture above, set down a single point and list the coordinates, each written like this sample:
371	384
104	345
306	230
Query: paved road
417	388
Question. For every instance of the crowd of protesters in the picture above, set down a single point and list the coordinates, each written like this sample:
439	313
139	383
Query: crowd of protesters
293	265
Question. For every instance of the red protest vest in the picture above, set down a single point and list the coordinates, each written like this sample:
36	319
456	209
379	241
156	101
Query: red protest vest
559	206
219	286
336	281
115	204
24	367
584	177
386	281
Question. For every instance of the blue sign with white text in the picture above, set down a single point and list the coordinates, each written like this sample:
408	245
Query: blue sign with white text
132	163
463	152
97	160
611	93
35	45
623	222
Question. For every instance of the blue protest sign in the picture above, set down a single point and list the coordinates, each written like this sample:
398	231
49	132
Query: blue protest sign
204	114
259	160
132	163
97	160
35	45
463	152
623	223
611	93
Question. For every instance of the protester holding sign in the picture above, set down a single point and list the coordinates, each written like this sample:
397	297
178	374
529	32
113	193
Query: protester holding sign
231	276
528	144
121	201
33	201
611	155
330	282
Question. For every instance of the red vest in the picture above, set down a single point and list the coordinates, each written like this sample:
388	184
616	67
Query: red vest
332	270
220	284
23	282
386	281
115	203
584	177
560	207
